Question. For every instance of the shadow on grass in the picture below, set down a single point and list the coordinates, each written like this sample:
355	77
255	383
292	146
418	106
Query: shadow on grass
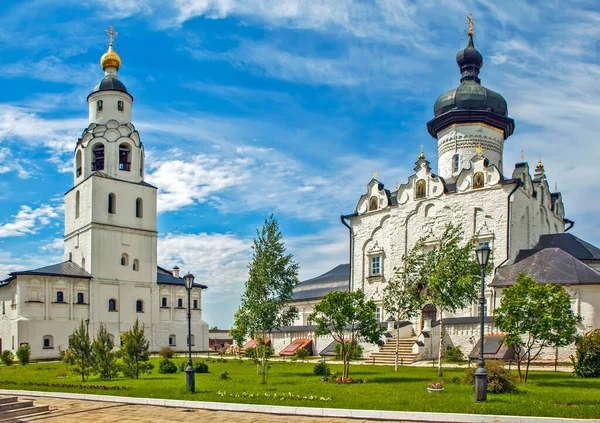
574	383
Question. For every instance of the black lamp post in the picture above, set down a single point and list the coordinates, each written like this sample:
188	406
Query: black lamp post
87	326
190	373
483	254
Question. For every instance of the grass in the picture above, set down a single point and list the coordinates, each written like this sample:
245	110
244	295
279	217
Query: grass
545	394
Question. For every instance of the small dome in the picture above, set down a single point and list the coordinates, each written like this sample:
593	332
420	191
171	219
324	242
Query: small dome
110	83
110	58
470	95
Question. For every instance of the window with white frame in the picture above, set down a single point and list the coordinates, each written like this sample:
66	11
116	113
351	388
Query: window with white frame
375	268
378	314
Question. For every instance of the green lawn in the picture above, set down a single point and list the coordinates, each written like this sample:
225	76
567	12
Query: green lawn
546	394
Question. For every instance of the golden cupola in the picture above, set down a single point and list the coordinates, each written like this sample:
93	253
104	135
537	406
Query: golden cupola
110	58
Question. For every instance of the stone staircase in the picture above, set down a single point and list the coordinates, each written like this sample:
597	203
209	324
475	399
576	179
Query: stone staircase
387	353
12	410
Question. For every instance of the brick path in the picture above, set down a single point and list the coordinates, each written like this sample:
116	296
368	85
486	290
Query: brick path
79	411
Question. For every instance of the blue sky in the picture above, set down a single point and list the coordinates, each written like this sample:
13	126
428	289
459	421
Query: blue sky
283	106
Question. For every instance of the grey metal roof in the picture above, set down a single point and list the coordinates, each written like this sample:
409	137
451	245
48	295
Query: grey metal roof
66	269
337	279
550	265
110	84
169	279
567	242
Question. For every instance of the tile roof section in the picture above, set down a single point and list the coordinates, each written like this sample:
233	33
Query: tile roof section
66	269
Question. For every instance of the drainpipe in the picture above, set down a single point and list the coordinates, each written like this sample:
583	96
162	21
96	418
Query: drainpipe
519	183
570	222
343	219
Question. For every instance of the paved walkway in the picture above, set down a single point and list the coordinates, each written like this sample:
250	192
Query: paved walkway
80	411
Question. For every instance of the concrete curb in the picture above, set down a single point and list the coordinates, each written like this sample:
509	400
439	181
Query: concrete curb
303	411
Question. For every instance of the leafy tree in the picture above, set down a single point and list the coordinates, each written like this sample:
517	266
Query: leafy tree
586	361
239	333
272	276
349	318
103	355
24	354
447	274
214	328
401	300
81	350
535	316
135	351
356	351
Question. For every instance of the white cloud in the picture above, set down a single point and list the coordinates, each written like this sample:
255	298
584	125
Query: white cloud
10	262
10	163
29	220
57	244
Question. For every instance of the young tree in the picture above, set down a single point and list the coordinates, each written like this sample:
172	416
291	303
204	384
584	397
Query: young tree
349	318
272	276
401	300
103	355
135	351
535	316
81	350
24	354
447	272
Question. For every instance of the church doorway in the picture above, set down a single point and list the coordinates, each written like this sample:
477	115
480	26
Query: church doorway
429	312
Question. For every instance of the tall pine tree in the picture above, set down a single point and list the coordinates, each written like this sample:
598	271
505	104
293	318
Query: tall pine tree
81	350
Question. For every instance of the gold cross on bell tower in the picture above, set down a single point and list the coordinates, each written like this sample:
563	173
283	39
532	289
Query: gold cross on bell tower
471	25
112	34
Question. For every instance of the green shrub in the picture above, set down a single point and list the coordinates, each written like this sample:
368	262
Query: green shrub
183	365
24	354
356	351
200	367
499	379
586	362
300	354
322	369
7	357
250	353
454	355
167	366
224	375
167	352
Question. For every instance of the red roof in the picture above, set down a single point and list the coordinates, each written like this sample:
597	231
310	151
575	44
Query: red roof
296	345
252	344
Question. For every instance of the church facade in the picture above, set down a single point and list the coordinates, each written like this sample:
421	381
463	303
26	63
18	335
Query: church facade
109	274
509	208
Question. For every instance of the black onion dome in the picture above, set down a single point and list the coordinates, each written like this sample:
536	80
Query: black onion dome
110	84
470	100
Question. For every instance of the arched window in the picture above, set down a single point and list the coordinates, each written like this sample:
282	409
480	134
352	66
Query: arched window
60	297
136	265
373	203
98	160
429	312
195	304
70	256
112	203
83	263
478	181
48	342
112	305
420	189
139	207
139	306
78	164
172	339
193	340
455	163
124	259
120	106
77	205
163	302
179	302
124	157
99	106
80	298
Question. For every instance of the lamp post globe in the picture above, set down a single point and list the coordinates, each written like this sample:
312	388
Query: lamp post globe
483	254
190	373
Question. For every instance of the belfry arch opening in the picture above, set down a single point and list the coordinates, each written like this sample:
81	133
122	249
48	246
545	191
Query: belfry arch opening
98	157
125	157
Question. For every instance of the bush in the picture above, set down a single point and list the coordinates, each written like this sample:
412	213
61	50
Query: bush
586	362
300	354
356	351
167	352
454	355
167	366
7	357
200	367
499	379
224	375
322	369
24	354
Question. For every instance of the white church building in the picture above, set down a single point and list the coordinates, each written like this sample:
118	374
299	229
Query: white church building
511	209
109	274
